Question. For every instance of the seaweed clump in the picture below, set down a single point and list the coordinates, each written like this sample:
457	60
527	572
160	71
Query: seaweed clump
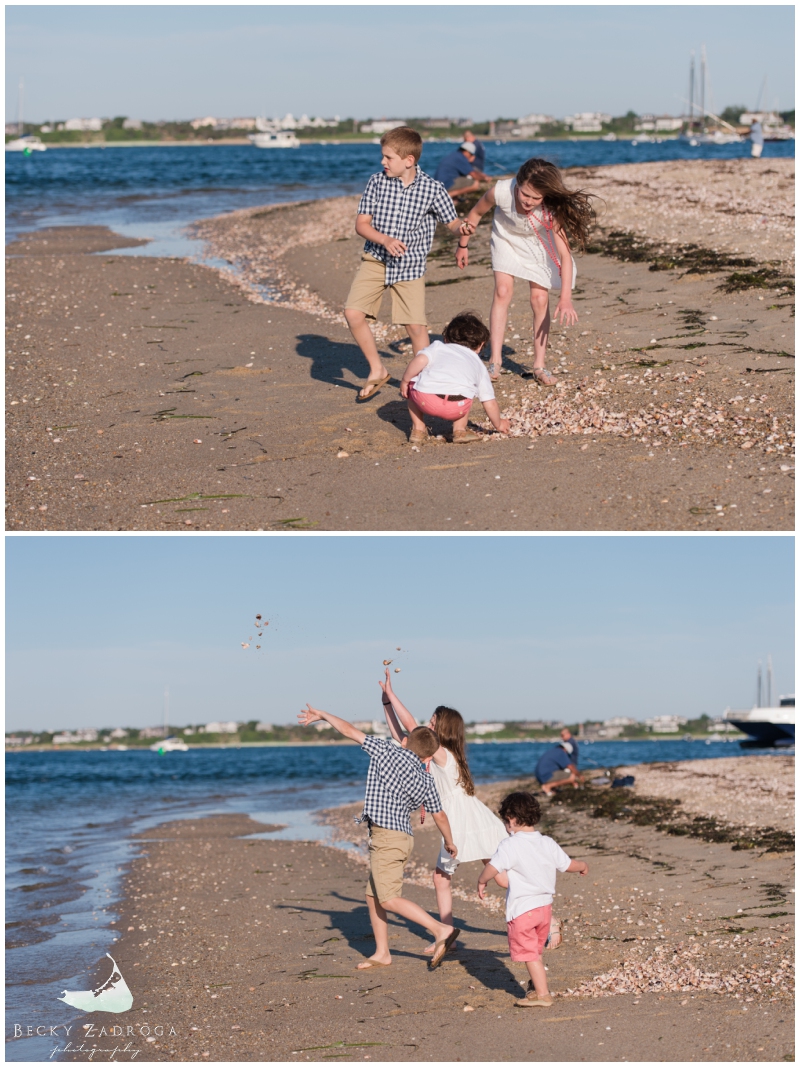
668	816
691	258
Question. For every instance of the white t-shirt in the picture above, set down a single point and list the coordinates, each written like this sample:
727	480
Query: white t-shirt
531	860
454	370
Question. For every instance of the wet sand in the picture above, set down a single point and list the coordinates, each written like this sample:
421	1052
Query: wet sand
674	949
157	394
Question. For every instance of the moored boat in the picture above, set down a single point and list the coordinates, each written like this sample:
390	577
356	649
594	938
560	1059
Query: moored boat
29	143
169	744
276	139
767	724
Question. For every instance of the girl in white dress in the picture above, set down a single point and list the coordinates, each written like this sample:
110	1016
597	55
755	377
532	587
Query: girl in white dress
535	216
476	831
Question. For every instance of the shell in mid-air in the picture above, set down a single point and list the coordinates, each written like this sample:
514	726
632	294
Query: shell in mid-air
397	670
258	616
258	646
399	649
386	662
245	644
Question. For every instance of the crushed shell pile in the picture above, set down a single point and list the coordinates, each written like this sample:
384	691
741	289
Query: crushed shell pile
680	971
584	407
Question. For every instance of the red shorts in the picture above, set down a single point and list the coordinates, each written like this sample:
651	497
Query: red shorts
432	404
528	933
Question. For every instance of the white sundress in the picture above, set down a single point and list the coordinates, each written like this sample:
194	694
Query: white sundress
476	831
516	248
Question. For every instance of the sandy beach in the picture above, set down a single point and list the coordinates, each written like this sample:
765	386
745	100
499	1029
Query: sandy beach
132	381
675	947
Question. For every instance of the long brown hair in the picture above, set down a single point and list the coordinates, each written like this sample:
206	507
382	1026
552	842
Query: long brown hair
572	209
450	731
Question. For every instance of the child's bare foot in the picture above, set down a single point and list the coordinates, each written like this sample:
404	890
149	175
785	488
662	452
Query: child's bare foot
375	961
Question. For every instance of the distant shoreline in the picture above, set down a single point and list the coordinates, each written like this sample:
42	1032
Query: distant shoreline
325	141
339	744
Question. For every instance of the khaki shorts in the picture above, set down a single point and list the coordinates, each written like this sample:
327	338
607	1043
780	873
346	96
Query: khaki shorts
369	285
558	776
388	852
461	183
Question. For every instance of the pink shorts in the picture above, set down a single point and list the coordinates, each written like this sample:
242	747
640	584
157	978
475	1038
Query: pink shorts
432	404
528	933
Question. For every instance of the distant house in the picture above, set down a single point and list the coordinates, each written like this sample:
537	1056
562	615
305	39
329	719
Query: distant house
264	727
481	728
621	720
665	724
84	125
381	126
235	124
587	121
766	118
721	726
372	726
118	733
132	124
153	731
198	124
219	728
322	725
65	738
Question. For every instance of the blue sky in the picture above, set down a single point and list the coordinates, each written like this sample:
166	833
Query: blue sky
499	627
164	61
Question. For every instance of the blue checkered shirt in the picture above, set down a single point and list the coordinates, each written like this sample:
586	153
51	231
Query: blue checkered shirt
410	214
397	784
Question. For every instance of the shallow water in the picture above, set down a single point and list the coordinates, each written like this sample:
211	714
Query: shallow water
158	192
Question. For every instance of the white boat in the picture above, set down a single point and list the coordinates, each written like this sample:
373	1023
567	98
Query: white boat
29	143
169	744
767	725
279	139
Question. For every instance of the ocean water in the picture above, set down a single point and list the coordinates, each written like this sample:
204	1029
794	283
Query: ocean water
70	817
158	192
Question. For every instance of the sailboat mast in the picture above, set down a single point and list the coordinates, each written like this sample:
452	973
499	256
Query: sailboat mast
769	681
691	93
20	126
703	87
166	711
758	686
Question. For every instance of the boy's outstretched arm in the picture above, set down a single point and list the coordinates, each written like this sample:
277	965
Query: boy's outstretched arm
577	867
404	716
487	874
346	729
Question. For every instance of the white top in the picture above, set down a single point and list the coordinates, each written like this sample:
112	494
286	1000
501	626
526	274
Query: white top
476	830
519	245
455	370
531	860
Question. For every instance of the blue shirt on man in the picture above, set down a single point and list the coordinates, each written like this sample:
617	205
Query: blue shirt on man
453	165
554	759
480	155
